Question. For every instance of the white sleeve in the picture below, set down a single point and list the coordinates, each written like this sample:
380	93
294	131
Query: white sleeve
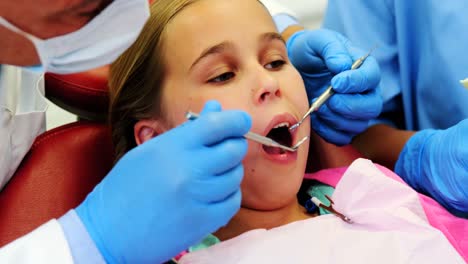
46	244
276	8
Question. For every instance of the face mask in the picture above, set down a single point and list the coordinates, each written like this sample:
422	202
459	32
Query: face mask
98	43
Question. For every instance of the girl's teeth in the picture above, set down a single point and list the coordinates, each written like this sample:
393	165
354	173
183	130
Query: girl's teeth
286	124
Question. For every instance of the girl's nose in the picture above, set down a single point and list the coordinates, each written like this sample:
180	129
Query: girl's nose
268	88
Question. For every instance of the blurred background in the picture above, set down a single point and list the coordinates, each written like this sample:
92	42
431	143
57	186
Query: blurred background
309	12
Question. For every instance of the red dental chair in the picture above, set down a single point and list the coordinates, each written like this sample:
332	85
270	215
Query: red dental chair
65	163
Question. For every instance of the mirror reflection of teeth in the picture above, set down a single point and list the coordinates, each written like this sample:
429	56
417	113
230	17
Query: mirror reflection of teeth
465	82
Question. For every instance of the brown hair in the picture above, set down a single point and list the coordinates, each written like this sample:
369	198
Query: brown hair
137	76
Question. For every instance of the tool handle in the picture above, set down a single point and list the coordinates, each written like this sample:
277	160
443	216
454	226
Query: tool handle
329	92
358	62
250	135
260	139
323	98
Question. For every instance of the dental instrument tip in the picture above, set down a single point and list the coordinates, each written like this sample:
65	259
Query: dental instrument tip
190	115
293	127
300	142
331	209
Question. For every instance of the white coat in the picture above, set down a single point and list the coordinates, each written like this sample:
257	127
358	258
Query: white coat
46	244
22	115
22	118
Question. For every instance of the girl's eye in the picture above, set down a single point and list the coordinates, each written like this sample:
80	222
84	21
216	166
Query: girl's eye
222	78
275	64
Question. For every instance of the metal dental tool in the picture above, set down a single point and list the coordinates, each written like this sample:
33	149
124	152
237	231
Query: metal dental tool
329	92
258	138
330	208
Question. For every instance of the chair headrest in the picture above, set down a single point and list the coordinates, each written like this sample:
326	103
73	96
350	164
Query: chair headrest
62	167
84	94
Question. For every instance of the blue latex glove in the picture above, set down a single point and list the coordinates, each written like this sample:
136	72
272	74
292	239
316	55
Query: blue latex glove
170	192
435	162
323	57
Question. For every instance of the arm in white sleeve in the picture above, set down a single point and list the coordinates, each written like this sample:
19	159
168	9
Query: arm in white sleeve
47	244
282	15
276	8
63	241
81	245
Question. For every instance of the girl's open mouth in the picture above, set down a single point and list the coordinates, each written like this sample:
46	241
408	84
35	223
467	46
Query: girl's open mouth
278	130
280	133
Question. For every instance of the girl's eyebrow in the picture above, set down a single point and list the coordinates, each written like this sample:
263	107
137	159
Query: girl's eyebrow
223	46
216	49
270	36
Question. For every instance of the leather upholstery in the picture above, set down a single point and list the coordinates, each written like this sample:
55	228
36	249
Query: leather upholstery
62	167
84	94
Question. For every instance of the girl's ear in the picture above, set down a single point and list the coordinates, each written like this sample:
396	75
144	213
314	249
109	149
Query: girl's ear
145	130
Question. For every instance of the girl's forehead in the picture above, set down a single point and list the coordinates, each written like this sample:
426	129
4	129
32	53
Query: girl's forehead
206	18
206	23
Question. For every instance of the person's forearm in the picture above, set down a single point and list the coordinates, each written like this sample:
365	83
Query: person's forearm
382	144
289	31
82	247
287	24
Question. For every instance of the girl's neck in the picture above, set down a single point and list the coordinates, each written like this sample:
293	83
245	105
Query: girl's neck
248	219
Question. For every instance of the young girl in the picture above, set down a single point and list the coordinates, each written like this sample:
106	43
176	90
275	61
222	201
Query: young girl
191	52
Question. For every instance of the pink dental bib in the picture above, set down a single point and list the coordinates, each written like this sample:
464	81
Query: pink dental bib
390	226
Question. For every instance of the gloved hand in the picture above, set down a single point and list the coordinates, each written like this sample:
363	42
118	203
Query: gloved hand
170	192
435	162
324	57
